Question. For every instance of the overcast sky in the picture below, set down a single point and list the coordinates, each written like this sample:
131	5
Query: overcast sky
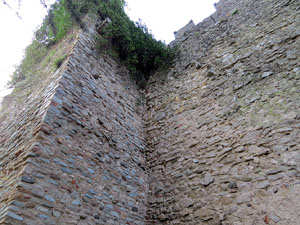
162	17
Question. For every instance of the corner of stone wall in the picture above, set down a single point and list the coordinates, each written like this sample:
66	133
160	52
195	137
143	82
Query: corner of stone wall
81	159
223	123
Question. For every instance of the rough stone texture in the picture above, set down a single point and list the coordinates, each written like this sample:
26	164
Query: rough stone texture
217	142
185	30
228	143
86	146
19	135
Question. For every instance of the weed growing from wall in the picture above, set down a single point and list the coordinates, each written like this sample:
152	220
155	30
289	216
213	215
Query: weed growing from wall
58	61
131	42
54	27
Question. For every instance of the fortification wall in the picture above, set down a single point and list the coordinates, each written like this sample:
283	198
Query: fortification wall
222	131
224	125
86	165
19	134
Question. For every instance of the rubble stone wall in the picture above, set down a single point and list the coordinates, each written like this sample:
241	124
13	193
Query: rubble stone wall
224	125
217	142
19	134
86	165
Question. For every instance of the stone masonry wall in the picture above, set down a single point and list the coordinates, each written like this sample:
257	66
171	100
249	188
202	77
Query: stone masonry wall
18	138
223	125
218	144
86	165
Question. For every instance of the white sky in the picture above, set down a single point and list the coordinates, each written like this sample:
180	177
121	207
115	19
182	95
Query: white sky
162	17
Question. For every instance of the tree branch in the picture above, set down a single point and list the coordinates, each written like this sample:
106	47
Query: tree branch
6	4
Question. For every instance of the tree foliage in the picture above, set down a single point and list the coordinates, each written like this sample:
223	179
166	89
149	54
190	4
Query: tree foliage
131	42
53	28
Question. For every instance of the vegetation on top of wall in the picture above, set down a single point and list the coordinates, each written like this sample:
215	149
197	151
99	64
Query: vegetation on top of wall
58	61
131	42
53	28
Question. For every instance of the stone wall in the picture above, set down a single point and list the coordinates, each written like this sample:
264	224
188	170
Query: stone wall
223	125
185	30
216	143
86	163
18	138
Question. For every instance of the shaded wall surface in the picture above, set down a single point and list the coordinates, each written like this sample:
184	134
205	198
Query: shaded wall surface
216	143
19	134
87	162
223	125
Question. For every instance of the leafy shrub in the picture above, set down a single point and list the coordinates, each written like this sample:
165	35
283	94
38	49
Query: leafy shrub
54	27
62	21
34	54
131	42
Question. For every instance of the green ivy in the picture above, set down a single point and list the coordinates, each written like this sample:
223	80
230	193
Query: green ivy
133	43
122	38
54	27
